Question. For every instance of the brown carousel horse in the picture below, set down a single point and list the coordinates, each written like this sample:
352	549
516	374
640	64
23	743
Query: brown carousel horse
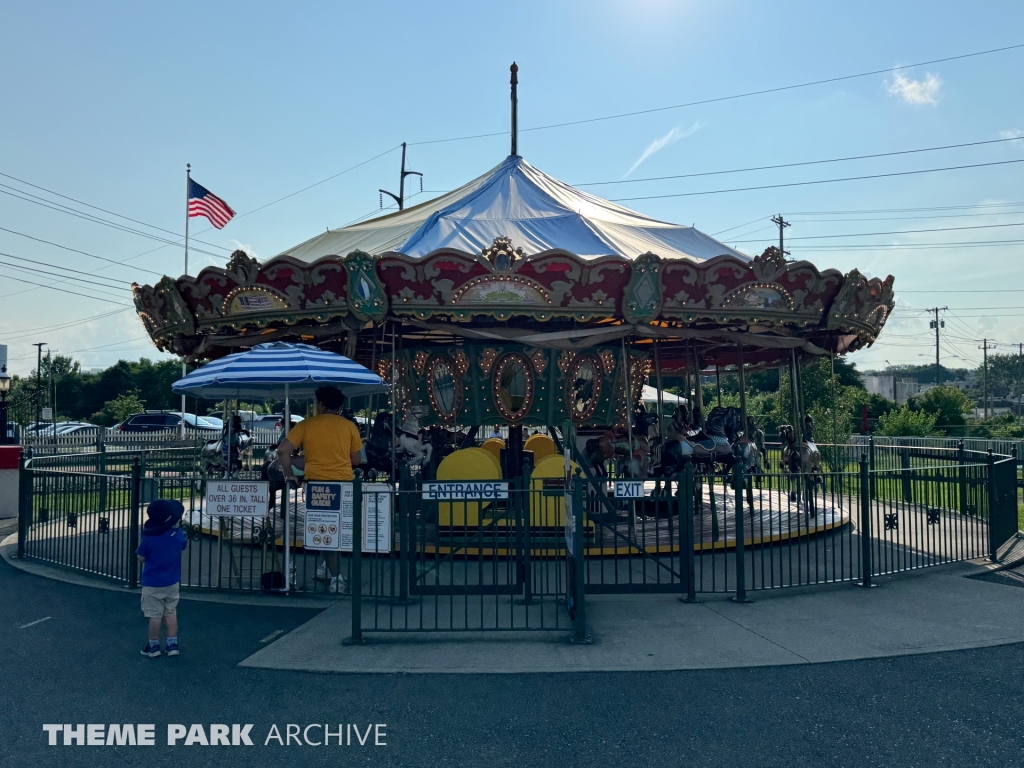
631	460
802	460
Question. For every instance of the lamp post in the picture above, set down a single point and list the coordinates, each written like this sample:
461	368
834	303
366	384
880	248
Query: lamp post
5	387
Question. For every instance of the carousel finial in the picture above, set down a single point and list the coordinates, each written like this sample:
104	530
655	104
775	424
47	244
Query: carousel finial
514	69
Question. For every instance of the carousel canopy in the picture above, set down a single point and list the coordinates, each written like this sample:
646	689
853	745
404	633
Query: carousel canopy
535	211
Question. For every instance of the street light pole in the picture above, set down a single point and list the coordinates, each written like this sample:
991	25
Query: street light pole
39	384
5	387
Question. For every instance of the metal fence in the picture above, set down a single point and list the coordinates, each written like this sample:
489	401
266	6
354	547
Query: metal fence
526	562
106	439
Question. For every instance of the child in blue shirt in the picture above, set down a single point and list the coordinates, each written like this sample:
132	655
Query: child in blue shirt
159	553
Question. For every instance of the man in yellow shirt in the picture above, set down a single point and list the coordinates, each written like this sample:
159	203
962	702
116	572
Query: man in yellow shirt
331	447
330	443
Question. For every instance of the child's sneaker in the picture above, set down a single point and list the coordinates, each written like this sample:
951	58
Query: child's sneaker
152	649
322	574
171	649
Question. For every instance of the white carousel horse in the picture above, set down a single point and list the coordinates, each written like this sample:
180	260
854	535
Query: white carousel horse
409	439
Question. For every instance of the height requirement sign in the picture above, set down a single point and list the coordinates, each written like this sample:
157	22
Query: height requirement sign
237	498
328	522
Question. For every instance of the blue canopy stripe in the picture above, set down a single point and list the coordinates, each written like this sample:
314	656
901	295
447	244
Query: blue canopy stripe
266	368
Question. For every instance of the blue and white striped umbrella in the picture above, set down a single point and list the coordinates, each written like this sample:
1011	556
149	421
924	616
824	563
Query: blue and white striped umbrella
266	369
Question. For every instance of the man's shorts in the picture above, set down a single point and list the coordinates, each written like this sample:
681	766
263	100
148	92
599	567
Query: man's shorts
158	602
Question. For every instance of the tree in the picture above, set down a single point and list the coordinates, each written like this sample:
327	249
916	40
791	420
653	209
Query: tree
833	426
906	423
117	410
947	404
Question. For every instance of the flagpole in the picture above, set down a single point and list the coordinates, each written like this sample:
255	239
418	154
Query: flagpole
184	370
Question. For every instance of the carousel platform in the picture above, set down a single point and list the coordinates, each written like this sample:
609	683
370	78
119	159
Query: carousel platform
645	525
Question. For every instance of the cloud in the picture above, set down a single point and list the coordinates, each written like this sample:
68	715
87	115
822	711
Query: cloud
238	246
913	91
657	145
1013	134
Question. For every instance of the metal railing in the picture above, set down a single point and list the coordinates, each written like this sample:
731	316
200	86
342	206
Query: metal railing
504	564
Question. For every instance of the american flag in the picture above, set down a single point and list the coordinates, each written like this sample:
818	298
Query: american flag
202	202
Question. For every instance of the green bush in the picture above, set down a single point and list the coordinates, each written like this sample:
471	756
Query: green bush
906	423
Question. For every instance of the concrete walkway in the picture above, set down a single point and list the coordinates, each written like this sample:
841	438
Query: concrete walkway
937	609
920	612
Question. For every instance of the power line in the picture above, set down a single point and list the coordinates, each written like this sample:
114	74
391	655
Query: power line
728	98
60	290
738	226
818	181
90	349
120	283
798	164
897	232
95	207
64	278
904	246
317	184
74	250
60	326
60	208
909	210
905	218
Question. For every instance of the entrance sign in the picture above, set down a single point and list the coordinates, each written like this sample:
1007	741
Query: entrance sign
237	498
629	489
330	504
464	491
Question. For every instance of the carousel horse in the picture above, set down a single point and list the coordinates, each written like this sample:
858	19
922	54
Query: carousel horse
631	460
684	445
749	448
378	444
638	464
718	421
801	459
410	441
214	454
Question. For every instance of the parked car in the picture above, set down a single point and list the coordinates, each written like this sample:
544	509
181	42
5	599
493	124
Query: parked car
76	428
162	422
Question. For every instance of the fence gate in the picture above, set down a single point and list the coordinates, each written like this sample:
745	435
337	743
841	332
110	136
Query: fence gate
493	559
1002	524
637	540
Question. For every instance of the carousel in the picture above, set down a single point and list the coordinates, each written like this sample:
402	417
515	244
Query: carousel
520	303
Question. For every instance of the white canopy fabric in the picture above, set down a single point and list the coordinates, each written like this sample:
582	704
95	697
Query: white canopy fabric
650	395
537	212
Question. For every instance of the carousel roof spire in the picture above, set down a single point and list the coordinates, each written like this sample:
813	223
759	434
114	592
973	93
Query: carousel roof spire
514	69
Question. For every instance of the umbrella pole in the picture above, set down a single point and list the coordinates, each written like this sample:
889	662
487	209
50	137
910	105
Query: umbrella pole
394	406
661	393
285	506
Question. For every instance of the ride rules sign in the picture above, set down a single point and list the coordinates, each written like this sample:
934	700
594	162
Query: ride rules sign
327	523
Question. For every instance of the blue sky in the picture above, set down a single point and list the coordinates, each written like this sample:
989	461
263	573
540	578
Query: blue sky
106	102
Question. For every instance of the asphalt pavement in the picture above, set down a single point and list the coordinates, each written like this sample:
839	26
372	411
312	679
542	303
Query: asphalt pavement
70	654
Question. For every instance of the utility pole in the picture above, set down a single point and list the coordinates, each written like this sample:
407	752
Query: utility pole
400	197
1020	354
937	324
781	223
39	382
984	366
51	390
